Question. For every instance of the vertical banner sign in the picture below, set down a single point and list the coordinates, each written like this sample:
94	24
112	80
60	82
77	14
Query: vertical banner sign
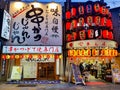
36	25
77	75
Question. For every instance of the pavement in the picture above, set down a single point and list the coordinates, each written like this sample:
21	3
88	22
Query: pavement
93	84
61	86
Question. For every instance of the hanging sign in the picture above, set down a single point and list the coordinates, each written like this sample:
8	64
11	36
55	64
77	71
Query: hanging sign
32	49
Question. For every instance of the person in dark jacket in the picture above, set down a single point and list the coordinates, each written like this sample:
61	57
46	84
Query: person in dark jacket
81	67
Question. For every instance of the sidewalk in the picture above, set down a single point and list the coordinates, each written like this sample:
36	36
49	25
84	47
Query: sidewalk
61	86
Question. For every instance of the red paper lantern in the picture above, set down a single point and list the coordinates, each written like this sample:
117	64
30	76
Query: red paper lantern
82	35
90	20
110	35
90	33
89	9
81	21
105	34
104	21
68	25
107	11
48	56
73	11
97	7
30	56
69	37
74	35
109	24
103	10
97	20
56	56
81	9
12	56
21	56
3	56
39	56
74	24
68	15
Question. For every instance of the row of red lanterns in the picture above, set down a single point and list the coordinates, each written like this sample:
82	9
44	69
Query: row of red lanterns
28	56
90	21
93	52
87	9
90	34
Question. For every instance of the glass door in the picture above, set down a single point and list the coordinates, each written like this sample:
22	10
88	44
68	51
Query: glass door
46	71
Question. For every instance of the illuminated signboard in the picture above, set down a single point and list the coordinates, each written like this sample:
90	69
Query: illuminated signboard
36	24
32	49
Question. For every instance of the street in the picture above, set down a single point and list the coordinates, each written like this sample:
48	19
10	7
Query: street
61	86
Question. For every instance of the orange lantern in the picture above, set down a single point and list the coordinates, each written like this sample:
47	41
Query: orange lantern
17	56
78	52
90	20
97	7
69	37
82	52
68	52
74	24
97	20
105	34
71	52
93	52
39	56
3	56
30	56
104	21
102	52
81	21
12	56
89	52
115	52
68	15
21	56
82	35
103	10
56	57
74	36
90	33
7	56
48	56
81	9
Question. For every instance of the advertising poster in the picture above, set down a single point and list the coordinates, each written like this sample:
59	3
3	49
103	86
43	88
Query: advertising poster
16	73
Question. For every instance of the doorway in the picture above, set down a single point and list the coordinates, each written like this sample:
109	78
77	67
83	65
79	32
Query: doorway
46	71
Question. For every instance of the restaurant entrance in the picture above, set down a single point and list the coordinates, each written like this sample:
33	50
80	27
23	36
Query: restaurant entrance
46	71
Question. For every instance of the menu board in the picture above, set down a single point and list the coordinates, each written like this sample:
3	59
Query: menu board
77	75
16	73
115	73
29	69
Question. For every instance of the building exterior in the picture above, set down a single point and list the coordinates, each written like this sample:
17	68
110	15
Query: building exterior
34	48
116	24
89	36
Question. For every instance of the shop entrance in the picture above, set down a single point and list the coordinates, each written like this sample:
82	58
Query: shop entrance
46	71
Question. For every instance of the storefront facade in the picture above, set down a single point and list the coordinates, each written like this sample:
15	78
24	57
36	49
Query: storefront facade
42	64
35	44
89	35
